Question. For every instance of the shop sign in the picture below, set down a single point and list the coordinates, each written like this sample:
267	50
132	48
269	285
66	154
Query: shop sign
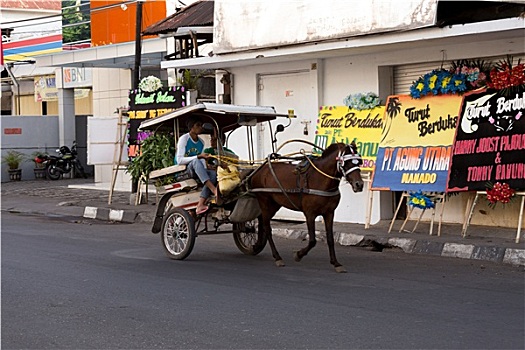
46	90
172	97
146	105
77	77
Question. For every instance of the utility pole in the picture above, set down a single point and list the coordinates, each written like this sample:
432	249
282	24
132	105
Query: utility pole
138	44
136	70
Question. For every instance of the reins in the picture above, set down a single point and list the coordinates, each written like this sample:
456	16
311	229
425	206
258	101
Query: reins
320	171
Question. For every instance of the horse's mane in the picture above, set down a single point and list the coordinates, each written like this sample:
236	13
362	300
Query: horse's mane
334	147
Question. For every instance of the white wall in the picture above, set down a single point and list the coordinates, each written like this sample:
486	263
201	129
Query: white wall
256	24
110	91
341	77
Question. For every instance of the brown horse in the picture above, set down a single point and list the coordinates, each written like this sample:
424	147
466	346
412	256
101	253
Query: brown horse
312	189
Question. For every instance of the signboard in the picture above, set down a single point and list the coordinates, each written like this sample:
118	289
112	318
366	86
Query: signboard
416	143
77	77
37	44
343	124
13	131
490	142
172	97
146	105
46	89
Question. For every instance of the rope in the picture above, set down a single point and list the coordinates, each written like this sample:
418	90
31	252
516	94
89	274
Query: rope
257	162
322	172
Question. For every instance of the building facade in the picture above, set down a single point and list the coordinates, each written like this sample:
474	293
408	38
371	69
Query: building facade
299	58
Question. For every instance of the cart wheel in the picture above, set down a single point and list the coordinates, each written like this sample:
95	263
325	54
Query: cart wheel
178	233
249	237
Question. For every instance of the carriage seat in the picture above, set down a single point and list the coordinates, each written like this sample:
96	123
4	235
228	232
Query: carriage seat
178	171
182	180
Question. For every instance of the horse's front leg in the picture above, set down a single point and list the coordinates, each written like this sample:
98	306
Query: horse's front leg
268	232
310	224
329	226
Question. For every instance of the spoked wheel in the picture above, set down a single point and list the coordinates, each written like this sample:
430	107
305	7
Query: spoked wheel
52	172
249	237
178	233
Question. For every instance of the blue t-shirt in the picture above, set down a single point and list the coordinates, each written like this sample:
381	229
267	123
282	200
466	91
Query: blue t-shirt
187	149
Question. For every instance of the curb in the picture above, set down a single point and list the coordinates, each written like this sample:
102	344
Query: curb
495	254
125	216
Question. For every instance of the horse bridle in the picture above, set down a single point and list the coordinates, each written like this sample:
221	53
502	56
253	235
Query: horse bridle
342	158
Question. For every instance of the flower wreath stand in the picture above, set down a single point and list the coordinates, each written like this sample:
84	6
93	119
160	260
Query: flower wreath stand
472	203
422	201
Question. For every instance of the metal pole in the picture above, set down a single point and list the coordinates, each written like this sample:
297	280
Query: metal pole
136	70
138	44
8	68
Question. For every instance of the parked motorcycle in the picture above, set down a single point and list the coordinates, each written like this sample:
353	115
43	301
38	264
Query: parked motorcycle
64	163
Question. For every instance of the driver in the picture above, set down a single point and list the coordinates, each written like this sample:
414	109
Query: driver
190	152
214	150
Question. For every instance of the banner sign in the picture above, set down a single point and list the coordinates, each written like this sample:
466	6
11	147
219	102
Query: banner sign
343	124
416	143
46	89
146	105
490	142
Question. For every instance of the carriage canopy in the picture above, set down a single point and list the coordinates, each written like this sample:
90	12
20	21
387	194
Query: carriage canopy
227	117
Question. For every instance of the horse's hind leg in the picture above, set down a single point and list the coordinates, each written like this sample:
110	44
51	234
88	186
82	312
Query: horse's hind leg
329	226
266	218
310	223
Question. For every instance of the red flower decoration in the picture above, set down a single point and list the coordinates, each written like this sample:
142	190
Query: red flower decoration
499	192
505	76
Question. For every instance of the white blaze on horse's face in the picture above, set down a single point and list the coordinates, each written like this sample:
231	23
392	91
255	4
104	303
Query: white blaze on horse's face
348	164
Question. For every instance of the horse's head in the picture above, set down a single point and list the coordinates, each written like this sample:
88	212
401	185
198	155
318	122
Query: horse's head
348	165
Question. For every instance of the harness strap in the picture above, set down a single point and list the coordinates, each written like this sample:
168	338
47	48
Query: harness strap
350	170
279	183
298	190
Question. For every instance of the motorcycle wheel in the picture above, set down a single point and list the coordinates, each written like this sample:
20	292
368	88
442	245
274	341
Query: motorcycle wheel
52	172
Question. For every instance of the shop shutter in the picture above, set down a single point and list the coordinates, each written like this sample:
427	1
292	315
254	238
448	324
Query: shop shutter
405	75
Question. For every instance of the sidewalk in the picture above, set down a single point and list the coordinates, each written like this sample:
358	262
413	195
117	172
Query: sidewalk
83	198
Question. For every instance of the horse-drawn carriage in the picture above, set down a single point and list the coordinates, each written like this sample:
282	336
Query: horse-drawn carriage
250	191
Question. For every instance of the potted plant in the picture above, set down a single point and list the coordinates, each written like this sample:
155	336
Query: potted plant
190	82
13	160
156	152
38	159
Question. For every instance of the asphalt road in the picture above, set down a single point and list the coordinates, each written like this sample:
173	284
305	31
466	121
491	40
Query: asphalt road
96	285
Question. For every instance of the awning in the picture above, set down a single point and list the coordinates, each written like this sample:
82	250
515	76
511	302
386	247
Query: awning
29	71
198	14
109	56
